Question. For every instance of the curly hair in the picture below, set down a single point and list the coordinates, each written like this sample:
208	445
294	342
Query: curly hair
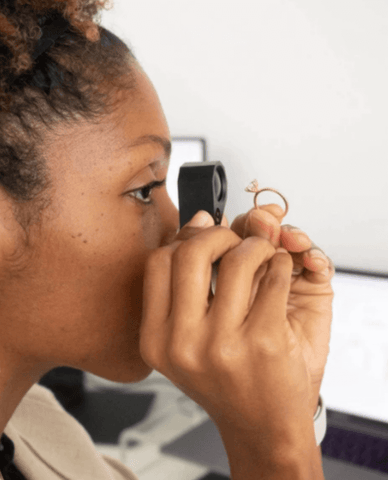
76	78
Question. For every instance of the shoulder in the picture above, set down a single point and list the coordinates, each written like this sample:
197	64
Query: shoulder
39	396
40	410
50	443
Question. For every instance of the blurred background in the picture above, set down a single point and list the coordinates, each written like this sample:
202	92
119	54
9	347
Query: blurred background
292	93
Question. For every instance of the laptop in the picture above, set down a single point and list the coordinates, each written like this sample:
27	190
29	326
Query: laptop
355	389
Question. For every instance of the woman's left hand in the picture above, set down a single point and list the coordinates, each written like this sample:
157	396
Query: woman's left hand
309	308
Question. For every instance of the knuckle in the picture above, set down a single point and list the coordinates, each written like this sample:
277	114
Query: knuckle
267	347
276	280
189	232
259	246
187	253
232	258
248	253
219	359
247	249
148	352
183	357
286	260
160	257
258	243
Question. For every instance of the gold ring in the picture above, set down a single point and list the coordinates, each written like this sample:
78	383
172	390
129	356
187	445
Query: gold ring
271	190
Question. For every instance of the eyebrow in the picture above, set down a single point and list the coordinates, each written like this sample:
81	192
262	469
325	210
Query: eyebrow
164	142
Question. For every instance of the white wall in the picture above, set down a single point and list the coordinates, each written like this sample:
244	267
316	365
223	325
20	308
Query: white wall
291	92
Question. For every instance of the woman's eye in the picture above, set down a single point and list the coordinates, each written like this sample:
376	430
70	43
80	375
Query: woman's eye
146	192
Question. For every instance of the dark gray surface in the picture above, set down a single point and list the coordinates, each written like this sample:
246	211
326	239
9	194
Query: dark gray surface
203	445
337	470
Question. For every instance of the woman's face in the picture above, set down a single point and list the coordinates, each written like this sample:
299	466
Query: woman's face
79	301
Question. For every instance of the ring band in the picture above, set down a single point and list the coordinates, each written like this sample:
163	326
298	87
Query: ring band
271	190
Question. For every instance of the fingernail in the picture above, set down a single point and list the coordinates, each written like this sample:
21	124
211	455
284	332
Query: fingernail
281	250
296	231
289	228
201	219
317	254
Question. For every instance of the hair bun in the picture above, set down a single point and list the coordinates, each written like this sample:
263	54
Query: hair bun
21	23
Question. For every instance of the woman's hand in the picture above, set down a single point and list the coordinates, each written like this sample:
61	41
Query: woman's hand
242	361
309	308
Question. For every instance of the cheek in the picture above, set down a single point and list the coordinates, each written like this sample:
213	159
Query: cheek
152	228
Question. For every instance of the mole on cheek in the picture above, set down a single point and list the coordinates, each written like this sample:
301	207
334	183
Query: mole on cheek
85	241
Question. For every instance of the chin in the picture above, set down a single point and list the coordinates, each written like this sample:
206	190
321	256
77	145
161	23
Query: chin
133	373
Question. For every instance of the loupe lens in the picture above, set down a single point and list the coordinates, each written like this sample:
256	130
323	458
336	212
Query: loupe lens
217	186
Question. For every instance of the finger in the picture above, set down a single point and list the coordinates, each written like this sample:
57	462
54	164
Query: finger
305	253
320	277
201	220
319	274
261	222
189	230
275	210
316	271
156	306
236	274
192	268
256	282
314	259
157	295
268	313
293	239
239	223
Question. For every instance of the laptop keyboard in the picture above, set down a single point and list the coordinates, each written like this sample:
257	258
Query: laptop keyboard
357	448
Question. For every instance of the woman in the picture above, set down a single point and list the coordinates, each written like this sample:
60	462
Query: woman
95	276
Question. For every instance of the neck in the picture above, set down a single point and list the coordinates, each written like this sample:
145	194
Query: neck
16	378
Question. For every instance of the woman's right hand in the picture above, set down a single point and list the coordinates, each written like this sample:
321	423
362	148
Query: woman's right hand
242	365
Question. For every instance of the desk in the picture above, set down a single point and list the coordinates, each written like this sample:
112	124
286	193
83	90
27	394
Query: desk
105	412
148	463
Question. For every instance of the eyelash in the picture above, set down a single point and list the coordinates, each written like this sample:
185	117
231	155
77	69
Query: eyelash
151	186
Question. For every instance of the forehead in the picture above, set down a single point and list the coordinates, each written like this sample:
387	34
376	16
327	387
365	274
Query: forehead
82	147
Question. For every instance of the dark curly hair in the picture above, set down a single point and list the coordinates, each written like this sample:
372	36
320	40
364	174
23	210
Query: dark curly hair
75	78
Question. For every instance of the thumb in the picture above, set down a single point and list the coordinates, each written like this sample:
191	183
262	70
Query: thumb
262	222
200	221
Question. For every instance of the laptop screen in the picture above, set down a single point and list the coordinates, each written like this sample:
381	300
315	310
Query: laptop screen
356	375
